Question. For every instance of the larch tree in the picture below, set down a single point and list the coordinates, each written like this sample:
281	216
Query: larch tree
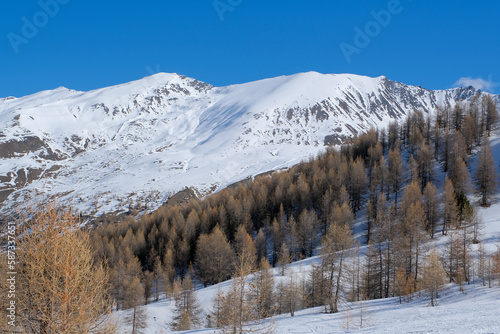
446	148
262	290
434	276
238	304
284	258
307	230
59	287
383	244
134	293
317	285
399	284
148	279
276	239
496	264
261	245
214	257
126	280
425	166
357	183
336	245
168	270
134	298
411	229
469	130
449	206
187	308
460	176
244	244
291	293
486	176
137	319
217	316
491	114
396	171
431	207
158	283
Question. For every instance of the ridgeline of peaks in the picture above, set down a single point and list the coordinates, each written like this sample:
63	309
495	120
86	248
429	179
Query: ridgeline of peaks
141	141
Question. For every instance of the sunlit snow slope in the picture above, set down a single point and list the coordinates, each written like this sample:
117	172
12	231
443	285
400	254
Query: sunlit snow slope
146	139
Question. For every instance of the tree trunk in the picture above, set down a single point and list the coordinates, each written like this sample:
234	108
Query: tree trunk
337	288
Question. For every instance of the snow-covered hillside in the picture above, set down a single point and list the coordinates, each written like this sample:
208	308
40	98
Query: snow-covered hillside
146	139
475	310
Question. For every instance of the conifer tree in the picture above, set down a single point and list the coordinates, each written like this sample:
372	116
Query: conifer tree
214	257
307	229
168	270
496	264
137	319
434	276
486	175
491	114
460	176
261	245
277	230
284	258
431	206
425	166
59	286
187	308
469	131
134	292
336	244
317	285
158	283
357	183
292	295
244	244
262	290
395	172
238	305
399	284
449	206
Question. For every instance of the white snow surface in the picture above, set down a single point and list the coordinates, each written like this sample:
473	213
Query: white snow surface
476	310
108	147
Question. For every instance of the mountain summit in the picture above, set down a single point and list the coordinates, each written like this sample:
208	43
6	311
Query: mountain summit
141	141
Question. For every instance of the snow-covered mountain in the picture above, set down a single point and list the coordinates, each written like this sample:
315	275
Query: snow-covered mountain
144	140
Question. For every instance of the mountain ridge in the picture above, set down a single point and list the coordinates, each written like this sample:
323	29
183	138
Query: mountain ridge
106	149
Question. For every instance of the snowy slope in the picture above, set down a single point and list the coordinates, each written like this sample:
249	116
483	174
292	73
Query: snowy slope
145	140
475	311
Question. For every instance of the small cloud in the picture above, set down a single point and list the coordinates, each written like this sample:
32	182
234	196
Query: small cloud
477	83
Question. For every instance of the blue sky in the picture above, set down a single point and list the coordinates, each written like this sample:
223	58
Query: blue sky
88	44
